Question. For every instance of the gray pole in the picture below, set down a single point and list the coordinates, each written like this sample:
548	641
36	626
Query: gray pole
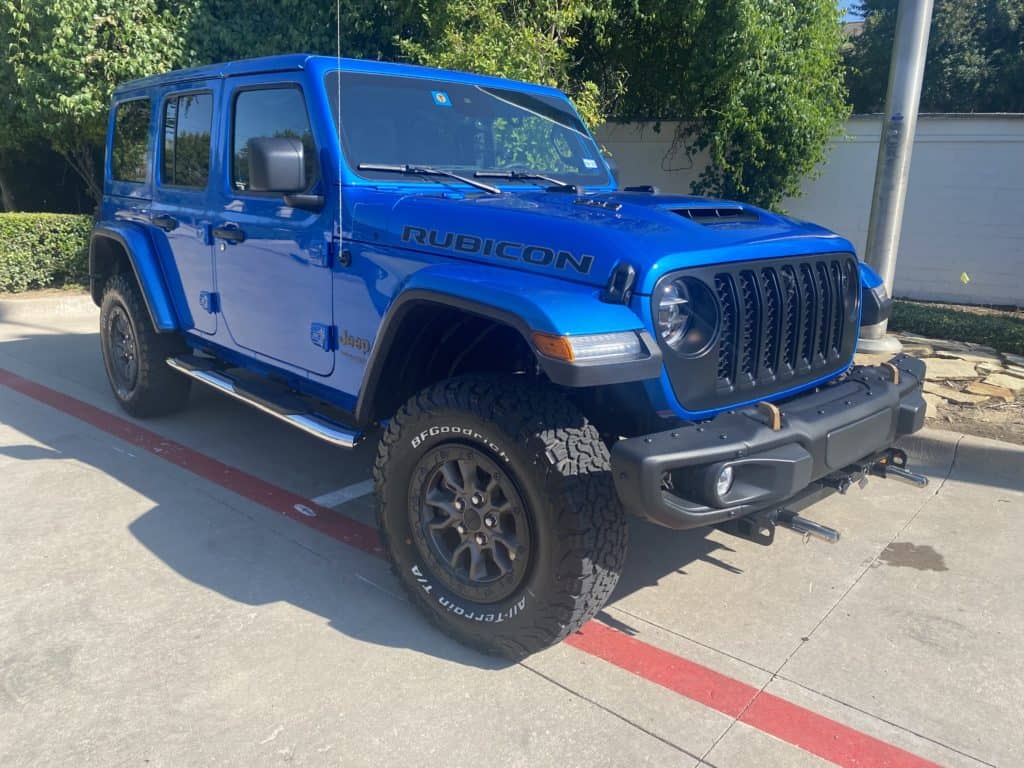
906	73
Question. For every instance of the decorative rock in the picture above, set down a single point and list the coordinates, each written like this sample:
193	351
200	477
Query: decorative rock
953	395
1016	360
991	368
1007	381
941	368
972	356
981	388
934	403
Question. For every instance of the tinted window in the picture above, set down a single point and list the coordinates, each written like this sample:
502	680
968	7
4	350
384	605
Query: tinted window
128	159
271	112
187	122
395	120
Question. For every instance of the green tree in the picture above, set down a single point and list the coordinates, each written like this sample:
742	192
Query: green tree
63	60
758	84
975	56
224	30
532	40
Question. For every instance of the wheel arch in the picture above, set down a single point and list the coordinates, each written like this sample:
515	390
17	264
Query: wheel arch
474	338
115	248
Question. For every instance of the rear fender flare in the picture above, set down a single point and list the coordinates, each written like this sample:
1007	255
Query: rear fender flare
145	265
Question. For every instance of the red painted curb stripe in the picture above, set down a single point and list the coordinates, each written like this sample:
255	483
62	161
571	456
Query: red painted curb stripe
775	716
248	486
782	719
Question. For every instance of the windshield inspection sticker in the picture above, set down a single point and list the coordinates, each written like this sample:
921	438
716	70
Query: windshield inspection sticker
587	162
441	98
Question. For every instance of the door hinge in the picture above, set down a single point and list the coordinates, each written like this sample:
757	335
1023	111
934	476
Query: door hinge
209	301
324	336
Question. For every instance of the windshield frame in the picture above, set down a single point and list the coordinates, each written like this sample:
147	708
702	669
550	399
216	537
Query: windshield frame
603	180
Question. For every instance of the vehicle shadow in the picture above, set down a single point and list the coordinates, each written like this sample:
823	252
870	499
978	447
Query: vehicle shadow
254	556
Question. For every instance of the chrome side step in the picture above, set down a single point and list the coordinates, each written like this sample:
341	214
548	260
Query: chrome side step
307	421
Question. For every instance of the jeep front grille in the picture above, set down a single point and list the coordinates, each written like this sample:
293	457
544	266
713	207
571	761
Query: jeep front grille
782	323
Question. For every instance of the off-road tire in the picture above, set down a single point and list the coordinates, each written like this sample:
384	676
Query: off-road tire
561	467
155	389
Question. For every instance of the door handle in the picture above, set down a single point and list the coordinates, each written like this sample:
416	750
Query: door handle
166	223
229	232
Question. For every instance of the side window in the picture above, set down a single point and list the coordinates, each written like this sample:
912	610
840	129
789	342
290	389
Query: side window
271	112
186	155
128	156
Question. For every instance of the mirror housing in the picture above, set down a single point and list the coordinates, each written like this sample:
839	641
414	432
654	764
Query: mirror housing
276	164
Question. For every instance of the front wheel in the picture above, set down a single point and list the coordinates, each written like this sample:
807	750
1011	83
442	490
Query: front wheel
498	511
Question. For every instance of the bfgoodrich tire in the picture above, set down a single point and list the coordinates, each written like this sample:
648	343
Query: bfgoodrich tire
135	355
498	511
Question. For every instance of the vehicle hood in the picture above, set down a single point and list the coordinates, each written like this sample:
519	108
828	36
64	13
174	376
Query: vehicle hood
582	237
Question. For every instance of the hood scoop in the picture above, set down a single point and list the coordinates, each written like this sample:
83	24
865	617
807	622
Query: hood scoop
723	214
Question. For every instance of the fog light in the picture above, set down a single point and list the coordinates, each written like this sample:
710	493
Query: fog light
724	483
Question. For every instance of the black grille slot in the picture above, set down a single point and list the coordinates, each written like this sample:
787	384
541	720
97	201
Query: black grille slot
750	329
772	336
783	321
726	293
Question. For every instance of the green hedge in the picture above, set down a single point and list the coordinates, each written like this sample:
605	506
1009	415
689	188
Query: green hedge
42	250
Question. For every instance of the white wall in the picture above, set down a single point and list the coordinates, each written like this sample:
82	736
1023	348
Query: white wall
965	206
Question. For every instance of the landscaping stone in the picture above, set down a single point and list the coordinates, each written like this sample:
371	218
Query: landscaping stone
1005	380
942	368
1016	360
1001	393
954	395
934	403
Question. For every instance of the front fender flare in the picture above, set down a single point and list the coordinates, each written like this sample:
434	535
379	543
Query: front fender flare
144	263
524	302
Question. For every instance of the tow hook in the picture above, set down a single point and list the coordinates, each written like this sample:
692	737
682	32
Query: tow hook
894	464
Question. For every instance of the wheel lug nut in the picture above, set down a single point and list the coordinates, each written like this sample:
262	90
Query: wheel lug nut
460	528
478	499
511	554
489	521
481	539
459	504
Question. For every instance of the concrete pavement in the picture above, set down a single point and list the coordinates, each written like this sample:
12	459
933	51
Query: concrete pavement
151	614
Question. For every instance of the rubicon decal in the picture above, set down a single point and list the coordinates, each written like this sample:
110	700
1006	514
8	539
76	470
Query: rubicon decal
540	255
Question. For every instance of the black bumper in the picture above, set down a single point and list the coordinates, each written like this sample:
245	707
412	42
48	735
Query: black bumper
822	433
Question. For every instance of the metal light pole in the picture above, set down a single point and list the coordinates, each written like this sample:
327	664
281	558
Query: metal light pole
906	72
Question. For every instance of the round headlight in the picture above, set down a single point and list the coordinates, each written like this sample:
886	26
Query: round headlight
673	312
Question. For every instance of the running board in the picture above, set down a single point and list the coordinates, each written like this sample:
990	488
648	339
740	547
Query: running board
278	407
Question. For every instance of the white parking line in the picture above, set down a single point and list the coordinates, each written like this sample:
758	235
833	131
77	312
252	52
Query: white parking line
349	492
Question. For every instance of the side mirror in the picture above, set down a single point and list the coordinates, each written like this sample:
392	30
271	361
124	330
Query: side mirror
613	167
276	164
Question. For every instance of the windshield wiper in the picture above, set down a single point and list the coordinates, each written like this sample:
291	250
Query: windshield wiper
421	170
523	176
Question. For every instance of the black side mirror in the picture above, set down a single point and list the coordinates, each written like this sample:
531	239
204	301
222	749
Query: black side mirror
613	167
276	164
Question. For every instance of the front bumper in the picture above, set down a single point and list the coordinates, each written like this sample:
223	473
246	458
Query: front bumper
668	477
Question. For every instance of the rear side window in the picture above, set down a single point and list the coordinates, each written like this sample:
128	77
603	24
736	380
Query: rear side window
271	112
186	130
128	156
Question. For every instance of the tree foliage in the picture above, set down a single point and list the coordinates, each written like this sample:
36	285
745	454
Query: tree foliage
756	83
532	40
63	59
975	56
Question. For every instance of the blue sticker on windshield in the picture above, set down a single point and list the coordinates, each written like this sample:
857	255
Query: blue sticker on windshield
441	99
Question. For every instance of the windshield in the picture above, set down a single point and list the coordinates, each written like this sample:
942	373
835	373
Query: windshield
463	128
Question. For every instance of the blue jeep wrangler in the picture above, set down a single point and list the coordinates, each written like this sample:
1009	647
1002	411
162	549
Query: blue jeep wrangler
345	244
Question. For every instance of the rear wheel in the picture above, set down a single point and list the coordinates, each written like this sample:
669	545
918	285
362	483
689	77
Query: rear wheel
499	513
135	355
